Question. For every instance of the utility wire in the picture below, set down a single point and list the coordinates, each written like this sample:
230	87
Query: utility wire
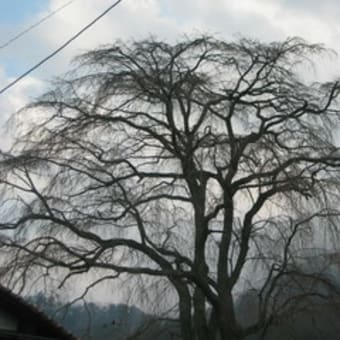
59	49
28	29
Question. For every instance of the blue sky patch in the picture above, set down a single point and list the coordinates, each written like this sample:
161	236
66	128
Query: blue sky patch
15	11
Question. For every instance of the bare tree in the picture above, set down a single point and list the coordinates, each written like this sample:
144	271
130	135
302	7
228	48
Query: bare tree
207	165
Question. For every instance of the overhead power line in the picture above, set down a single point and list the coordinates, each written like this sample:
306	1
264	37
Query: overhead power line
59	49
30	28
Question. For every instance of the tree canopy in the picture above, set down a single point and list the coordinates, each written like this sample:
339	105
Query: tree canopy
207	165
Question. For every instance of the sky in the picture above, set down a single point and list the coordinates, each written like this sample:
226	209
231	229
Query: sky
17	11
267	20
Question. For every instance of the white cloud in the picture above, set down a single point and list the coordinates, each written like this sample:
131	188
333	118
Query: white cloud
14	100
265	19
168	19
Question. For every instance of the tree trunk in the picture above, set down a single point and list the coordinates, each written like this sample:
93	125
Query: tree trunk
226	319
185	312
213	325
200	321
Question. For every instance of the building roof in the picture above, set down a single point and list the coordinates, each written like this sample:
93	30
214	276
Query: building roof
47	328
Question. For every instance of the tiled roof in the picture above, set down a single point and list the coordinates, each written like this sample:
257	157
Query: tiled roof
24	309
